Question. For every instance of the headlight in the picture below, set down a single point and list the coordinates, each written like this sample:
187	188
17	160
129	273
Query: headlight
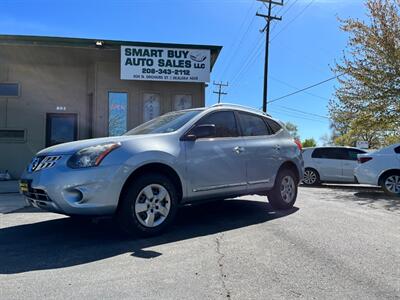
91	156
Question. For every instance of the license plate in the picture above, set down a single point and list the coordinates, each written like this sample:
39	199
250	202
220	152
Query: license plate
24	186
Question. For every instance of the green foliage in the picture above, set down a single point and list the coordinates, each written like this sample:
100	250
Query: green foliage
368	105
309	143
293	130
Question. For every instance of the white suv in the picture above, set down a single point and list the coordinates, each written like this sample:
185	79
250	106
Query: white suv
381	168
330	164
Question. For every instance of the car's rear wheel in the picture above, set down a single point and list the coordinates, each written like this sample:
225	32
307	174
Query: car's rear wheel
391	184
311	177
284	193
148	206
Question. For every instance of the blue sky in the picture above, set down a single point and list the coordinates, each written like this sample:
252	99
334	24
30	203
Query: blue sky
303	45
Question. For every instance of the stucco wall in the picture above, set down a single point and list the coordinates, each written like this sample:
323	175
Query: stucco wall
51	77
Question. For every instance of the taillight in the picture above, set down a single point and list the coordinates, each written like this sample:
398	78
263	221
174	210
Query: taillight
364	159
298	143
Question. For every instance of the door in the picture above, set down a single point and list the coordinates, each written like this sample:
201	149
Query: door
262	152
329	163
397	154
349	163
61	128
214	164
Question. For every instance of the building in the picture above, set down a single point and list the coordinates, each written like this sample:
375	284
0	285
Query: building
55	90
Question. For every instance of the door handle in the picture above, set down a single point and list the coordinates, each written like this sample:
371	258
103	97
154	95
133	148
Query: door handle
238	149
277	147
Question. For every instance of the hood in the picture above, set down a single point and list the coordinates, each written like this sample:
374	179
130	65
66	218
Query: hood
72	147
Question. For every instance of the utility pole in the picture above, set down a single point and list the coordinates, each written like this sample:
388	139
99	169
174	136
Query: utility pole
220	92
268	18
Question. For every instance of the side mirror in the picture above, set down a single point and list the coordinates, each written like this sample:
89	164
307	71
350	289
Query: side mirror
201	131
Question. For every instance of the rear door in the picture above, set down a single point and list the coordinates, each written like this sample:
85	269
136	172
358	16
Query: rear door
349	163
329	163
261	153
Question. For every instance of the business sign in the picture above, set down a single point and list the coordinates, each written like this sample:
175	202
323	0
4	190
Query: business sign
165	64
362	144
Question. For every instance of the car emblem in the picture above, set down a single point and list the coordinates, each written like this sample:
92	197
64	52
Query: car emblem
34	164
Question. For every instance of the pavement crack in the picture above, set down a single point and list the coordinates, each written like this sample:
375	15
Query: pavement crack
222	274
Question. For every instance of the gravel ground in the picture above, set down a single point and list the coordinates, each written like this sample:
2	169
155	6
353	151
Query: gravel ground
337	243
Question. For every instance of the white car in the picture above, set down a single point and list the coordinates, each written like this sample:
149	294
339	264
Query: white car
381	168
330	164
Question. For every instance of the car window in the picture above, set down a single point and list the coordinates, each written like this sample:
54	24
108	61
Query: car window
166	123
275	127
397	149
328	153
224	121
351	154
252	125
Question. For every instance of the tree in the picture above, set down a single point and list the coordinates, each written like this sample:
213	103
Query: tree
293	130
368	98
309	143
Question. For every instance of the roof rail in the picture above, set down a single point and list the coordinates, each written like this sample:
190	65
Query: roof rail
241	106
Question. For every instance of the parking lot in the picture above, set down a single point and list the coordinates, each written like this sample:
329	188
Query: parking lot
338	242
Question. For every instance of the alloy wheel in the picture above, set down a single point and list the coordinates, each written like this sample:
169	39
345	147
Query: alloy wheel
288	189
392	184
152	205
310	177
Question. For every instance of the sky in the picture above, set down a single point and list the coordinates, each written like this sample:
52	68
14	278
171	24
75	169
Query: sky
303	46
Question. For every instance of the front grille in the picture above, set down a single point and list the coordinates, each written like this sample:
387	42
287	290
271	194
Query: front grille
37	194
42	162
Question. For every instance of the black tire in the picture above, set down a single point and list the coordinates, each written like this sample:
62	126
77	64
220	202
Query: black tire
311	177
126	215
387	182
276	198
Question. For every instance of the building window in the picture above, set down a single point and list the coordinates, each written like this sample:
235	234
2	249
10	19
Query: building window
151	106
12	135
61	128
9	89
117	113
182	102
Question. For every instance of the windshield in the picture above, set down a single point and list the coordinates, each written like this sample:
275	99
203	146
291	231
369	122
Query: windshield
166	123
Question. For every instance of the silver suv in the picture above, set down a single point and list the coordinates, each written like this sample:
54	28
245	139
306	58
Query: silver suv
181	157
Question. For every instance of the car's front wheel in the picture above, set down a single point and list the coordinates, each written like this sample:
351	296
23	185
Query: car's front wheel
391	184
148	206
284	193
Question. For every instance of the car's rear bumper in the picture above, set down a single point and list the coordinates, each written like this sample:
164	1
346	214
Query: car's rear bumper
365	175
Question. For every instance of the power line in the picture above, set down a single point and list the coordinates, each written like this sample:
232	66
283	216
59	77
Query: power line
296	88
257	50
249	61
306	88
302	111
233	53
294	19
297	116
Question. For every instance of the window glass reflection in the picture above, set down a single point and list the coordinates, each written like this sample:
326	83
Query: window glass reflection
117	113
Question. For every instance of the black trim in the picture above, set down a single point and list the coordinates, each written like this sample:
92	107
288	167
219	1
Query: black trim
183	137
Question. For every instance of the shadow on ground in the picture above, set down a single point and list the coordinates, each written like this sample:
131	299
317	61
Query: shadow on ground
67	242
363	195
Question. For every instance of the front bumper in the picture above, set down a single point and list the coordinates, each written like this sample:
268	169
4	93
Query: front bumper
88	191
